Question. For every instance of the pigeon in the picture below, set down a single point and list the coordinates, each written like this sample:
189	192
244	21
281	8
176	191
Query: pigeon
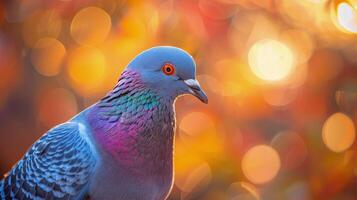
120	147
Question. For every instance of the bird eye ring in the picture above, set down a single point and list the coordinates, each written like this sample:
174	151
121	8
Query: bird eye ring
168	69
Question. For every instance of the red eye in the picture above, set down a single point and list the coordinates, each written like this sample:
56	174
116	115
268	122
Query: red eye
168	69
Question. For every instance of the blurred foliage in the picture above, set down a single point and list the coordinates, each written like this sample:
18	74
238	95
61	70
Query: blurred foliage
281	76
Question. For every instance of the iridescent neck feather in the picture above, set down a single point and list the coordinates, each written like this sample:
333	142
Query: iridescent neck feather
133	121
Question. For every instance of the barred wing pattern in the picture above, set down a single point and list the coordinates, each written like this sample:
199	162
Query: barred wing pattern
57	166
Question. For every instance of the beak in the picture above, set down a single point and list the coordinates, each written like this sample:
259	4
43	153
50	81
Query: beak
195	90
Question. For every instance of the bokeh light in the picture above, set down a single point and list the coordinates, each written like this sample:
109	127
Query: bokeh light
338	132
271	60
199	130
87	70
132	26
196	123
90	26
47	56
347	17
260	164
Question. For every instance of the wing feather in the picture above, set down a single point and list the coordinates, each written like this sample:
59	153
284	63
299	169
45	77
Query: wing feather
57	166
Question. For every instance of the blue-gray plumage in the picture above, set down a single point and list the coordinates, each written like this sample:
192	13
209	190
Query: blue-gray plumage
119	148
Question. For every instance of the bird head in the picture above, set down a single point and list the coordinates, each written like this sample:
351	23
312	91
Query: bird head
169	70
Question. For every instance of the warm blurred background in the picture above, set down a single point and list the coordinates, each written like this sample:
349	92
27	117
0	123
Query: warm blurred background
281	76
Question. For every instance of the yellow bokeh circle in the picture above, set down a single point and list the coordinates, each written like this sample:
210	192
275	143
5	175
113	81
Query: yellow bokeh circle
271	60
87	70
47	56
199	130
261	164
195	123
338	132
90	26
